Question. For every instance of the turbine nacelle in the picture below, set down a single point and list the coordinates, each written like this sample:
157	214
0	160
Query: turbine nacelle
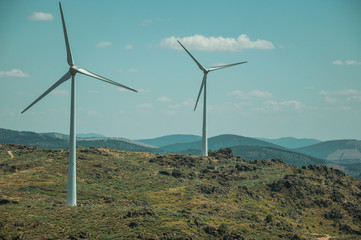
73	70
205	70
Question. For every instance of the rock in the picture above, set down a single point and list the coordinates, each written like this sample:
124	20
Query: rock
164	173
211	230
177	174
137	213
221	153
276	186
6	201
245	168
207	189
334	214
346	228
133	224
269	218
223	229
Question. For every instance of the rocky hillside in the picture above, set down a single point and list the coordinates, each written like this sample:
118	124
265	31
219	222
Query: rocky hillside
127	195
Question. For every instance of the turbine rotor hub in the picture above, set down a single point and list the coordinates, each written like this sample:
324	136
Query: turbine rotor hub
73	70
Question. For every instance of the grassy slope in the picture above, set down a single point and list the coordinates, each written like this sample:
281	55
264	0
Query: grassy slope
116	144
124	195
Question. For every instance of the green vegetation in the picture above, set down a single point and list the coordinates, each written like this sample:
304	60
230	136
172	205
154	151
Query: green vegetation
127	195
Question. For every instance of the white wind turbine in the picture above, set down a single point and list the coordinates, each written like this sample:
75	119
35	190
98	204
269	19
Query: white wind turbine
204	86
73	70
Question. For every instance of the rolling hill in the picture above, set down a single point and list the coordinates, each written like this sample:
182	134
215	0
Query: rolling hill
221	141
170	139
290	142
338	151
266	153
58	141
31	138
127	195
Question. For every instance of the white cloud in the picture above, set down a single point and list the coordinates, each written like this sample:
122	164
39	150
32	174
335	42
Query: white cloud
331	100
93	113
141	90
261	94
14	73
187	102
164	99
341	96
122	90
337	62
146	22
253	93
60	92
128	47
292	104
41	16
352	62
104	44
347	62
288	104
144	106
345	92
202	43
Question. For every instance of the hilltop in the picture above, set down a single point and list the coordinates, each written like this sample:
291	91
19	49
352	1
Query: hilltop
58	141
290	142
341	154
171	139
221	141
338	151
128	195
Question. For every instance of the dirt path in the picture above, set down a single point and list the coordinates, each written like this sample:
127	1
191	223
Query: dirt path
11	154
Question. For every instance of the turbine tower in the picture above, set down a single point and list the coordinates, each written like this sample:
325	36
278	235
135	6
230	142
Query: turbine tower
204	86
73	70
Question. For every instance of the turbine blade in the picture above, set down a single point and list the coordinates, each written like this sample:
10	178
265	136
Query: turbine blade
60	81
224	66
195	60
200	90
68	51
90	74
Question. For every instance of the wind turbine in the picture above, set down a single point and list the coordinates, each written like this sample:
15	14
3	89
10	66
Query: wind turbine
73	70
204	86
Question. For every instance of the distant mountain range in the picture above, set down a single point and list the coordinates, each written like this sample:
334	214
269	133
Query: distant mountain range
58	140
171	139
221	141
341	154
290	142
337	151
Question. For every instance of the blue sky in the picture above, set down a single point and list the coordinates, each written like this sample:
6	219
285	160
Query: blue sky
302	79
